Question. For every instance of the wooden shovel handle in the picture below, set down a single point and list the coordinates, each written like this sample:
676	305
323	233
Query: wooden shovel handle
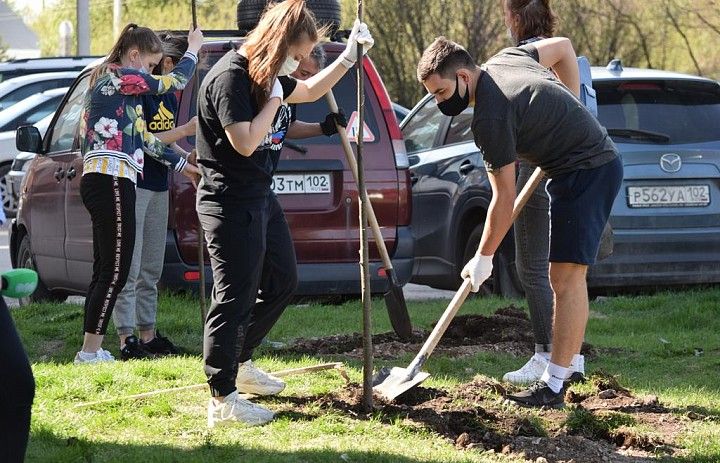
462	293
350	156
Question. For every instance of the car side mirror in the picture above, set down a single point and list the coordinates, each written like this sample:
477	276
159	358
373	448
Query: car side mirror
28	138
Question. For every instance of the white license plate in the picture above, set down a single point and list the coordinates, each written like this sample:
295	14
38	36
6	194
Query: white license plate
297	184
669	196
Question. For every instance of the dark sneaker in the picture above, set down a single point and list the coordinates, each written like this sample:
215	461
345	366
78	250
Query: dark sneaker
161	346
575	378
134	349
538	394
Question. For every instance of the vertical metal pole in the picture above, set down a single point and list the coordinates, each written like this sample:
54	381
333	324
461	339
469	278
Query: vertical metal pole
117	18
201	237
83	27
364	253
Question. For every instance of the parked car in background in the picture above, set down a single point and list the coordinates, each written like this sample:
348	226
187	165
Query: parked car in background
53	234
29	111
22	67
10	184
15	90
666	218
451	196
400	111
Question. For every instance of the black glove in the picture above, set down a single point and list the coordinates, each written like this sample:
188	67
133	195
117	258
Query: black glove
328	127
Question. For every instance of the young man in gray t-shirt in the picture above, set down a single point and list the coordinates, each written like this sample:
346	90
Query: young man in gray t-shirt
523	110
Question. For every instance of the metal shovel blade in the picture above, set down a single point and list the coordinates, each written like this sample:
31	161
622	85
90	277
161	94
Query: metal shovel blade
398	312
391	382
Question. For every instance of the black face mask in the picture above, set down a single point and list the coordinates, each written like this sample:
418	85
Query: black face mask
456	103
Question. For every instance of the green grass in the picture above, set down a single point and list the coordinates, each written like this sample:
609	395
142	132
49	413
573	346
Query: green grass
657	336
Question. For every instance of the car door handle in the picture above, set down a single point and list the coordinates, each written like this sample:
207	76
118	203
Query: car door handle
466	167
71	173
59	174
413	179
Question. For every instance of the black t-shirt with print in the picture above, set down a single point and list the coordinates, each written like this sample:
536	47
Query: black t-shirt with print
159	113
224	99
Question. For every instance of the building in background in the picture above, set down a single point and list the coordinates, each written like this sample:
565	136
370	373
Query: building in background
18	39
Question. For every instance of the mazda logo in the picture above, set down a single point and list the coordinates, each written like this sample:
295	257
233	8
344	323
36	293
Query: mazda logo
670	162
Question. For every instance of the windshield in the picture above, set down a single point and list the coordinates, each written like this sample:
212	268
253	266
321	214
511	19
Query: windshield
660	112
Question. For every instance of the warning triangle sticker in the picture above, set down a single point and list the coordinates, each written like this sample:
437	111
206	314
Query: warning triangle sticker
354	126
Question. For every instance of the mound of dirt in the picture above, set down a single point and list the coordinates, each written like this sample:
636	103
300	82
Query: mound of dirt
508	330
474	416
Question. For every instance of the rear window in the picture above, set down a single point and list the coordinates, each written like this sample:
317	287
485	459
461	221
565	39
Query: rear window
345	93
660	112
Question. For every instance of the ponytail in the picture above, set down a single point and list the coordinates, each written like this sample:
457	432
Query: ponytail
132	36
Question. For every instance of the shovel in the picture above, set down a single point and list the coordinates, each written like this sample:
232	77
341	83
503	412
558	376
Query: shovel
394	298
391	382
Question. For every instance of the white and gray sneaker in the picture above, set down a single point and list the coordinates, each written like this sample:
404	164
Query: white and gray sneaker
93	357
528	373
233	409
252	380
534	368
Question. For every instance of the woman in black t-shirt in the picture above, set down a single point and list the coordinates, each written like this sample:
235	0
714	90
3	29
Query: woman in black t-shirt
241	128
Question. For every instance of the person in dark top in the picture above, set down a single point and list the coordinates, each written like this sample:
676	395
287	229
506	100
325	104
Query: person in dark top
137	303
522	110
308	68
529	21
241	128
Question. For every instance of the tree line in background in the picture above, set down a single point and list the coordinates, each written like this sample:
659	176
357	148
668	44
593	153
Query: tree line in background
678	35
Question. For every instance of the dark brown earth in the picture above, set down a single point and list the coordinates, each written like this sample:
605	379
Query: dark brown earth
474	417
508	330
601	423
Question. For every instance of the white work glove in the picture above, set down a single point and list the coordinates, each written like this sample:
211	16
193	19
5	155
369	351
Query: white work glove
477	271
359	34
277	91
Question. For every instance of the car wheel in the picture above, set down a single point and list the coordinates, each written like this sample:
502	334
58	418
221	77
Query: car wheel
42	293
504	280
327	12
9	202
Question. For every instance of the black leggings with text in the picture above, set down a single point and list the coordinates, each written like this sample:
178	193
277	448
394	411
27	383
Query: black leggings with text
111	203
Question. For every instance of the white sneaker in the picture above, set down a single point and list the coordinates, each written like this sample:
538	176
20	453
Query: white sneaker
252	380
532	371
235	409
97	357
528	373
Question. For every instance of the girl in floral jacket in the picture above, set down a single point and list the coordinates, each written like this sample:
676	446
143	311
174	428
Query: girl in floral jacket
114	143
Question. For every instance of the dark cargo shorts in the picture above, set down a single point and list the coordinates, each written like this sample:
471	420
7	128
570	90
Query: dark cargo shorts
580	204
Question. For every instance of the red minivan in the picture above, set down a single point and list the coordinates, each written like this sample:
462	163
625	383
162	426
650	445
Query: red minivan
52	232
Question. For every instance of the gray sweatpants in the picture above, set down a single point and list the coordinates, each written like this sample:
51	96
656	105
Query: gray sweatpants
532	246
136	305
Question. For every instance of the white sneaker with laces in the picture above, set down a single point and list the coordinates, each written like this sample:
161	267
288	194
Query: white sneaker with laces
252	380
97	357
234	409
534	368
528	373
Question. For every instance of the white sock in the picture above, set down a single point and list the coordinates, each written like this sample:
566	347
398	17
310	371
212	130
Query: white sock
577	364
554	376
544	355
87	355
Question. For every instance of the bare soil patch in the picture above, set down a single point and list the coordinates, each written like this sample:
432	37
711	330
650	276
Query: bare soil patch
508	330
596	427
